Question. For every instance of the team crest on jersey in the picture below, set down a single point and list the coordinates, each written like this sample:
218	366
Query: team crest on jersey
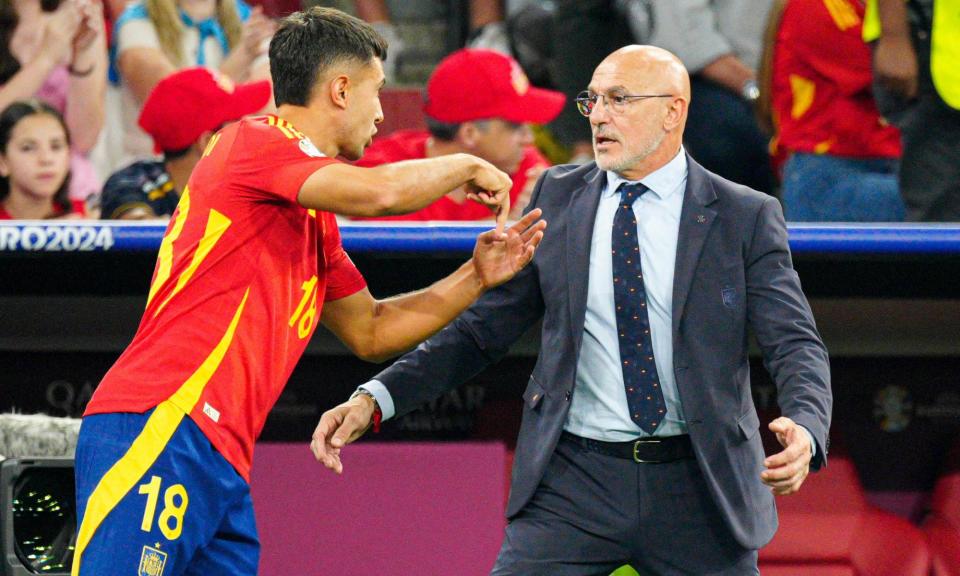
308	148
152	562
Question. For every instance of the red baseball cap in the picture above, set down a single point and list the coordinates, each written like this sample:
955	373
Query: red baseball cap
473	84
192	101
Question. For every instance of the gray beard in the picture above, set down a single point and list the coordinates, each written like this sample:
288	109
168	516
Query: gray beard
629	162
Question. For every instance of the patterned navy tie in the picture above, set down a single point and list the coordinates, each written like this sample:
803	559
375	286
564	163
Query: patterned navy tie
644	397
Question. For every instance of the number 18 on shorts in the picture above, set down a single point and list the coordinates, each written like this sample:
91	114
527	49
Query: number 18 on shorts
159	507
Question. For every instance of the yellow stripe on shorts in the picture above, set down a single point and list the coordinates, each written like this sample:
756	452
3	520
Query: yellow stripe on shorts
151	441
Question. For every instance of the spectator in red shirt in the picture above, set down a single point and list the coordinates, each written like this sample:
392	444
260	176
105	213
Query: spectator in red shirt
182	114
843	158
478	102
35	163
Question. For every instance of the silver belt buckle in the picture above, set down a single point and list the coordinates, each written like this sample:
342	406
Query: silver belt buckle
636	447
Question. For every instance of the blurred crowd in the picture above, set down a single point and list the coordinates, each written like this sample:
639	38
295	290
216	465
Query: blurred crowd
847	110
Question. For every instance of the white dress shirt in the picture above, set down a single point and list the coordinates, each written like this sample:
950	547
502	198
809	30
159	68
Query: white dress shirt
598	408
599	404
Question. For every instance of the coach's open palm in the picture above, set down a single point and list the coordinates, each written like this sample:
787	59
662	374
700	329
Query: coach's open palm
498	257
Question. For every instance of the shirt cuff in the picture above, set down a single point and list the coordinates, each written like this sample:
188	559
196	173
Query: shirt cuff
813	443
385	401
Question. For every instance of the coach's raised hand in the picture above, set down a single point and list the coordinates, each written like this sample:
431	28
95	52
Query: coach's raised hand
498	257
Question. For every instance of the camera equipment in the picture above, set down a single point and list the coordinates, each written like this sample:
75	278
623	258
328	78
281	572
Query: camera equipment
38	516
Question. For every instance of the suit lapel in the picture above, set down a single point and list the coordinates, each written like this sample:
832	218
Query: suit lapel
581	215
696	220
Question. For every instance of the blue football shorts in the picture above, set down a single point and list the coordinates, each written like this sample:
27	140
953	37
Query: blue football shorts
155	498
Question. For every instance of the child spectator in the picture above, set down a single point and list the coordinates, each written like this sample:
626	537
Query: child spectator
55	51
35	163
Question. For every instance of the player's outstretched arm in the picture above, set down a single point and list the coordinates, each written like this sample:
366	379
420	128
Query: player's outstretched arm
407	186
402	322
376	330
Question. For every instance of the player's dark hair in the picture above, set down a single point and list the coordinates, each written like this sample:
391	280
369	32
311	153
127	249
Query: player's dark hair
308	43
9	118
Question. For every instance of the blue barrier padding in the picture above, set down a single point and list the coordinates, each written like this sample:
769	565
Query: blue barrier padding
420	238
875	238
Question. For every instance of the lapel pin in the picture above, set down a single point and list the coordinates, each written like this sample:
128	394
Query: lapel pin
701	218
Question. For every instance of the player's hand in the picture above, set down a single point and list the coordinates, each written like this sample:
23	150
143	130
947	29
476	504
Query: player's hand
787	470
340	426
498	257
895	65
491	187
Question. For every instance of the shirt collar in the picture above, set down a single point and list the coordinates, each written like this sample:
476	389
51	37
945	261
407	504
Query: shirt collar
662	181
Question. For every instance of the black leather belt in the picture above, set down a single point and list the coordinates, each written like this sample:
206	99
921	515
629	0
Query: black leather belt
653	450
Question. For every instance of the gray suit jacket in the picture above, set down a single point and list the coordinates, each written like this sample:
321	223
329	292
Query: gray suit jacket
733	269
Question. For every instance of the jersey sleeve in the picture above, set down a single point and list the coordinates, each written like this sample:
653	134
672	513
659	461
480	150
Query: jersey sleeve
273	160
343	278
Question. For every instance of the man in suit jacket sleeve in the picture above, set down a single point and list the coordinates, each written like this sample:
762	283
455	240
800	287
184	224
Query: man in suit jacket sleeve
651	456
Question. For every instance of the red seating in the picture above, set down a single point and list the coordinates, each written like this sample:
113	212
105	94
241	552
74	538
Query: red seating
829	529
942	526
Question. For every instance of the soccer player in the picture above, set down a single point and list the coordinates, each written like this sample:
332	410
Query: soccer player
250	262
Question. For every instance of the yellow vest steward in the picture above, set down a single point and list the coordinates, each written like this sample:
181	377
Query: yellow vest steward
944	46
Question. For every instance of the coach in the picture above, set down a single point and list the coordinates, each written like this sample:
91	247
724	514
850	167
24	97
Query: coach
639	442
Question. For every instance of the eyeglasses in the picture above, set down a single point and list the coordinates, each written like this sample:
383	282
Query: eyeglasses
615	103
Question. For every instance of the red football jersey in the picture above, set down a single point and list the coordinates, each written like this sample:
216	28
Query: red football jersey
412	145
821	85
241	277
